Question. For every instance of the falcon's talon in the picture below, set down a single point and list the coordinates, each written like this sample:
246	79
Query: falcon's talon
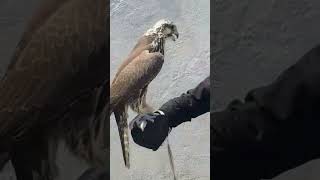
142	125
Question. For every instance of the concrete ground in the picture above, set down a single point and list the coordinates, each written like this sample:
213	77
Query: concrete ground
186	64
254	42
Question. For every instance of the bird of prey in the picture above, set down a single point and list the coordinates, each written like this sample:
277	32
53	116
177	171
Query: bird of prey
130	84
56	87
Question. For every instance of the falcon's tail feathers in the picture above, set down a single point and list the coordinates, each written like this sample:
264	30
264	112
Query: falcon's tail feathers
121	118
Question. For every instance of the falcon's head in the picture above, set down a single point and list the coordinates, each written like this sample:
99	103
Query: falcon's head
164	29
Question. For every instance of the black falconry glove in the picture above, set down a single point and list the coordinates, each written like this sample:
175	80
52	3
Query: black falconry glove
151	129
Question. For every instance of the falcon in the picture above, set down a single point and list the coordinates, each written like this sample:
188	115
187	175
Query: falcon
130	84
56	87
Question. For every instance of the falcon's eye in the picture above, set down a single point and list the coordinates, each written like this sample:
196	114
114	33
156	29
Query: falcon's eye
168	25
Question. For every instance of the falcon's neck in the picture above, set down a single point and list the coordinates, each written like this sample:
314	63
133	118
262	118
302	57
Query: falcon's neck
158	42
158	45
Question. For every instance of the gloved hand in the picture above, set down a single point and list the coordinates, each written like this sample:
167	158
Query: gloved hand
150	130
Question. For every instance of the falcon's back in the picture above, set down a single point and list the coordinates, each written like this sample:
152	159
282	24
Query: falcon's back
59	58
144	43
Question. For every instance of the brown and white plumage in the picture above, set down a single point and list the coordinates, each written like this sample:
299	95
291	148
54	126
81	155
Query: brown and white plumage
56	87
129	87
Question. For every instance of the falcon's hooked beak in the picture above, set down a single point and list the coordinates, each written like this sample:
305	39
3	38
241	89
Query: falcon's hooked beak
175	33
175	36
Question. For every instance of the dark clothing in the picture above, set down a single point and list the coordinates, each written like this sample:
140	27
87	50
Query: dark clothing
274	130
151	129
95	174
189	105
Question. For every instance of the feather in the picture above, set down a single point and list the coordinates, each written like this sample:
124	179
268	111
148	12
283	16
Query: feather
129	87
59	68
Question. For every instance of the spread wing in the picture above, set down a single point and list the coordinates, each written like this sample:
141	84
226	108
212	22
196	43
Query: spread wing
53	67
127	86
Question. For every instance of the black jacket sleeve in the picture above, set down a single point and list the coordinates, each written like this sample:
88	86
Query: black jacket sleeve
189	105
274	130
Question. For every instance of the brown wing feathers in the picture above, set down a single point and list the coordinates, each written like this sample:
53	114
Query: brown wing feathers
129	87
57	65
